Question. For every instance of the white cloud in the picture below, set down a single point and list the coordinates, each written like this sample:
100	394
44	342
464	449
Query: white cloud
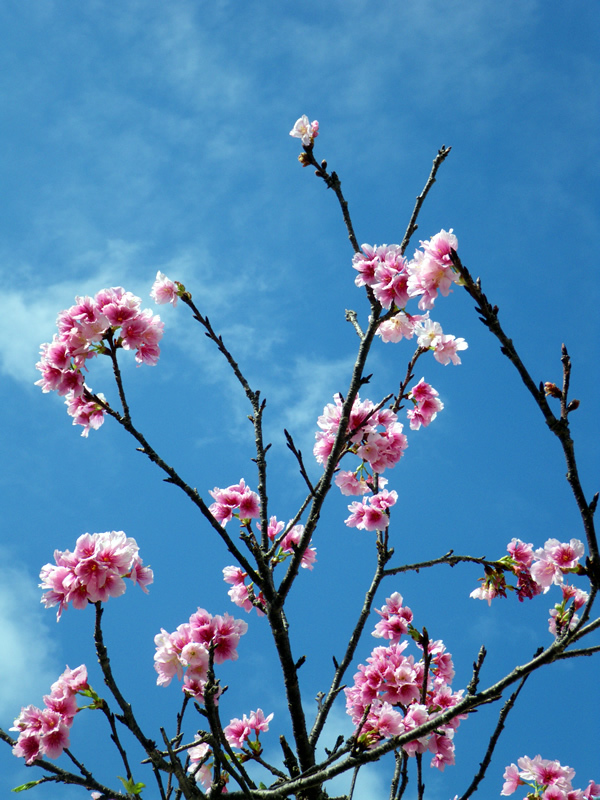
373	779
28	314
27	650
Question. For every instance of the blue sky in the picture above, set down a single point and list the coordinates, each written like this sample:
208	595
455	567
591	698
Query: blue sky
141	136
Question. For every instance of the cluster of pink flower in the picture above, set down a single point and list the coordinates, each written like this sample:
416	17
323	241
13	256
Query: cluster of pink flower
242	593
81	330
386	698
94	571
380	449
429	335
536	571
45	732
445	347
305	130
372	513
235	501
187	648
394	280
548	780
239	730
426	404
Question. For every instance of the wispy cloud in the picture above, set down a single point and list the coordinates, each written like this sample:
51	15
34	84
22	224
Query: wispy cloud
27	652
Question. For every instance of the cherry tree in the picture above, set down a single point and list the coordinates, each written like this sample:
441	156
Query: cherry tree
403	703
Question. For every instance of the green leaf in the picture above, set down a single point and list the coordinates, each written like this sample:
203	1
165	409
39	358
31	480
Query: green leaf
29	785
131	786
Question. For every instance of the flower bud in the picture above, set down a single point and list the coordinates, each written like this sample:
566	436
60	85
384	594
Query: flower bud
552	390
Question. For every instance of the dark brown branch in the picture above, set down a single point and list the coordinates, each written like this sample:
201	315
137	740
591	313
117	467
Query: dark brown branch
332	182
128	717
59	775
298	455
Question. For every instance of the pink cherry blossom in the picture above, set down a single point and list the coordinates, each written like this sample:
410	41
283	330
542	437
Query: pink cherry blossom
431	269
512	780
371	513
426	405
85	330
94	572
548	780
164	290
401	326
395	619
349	484
239	730
381	449
45	732
200	767
291	540
237	500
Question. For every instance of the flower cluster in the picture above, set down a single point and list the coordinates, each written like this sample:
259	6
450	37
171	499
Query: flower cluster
385	270
445	347
401	326
187	648
114	316
305	130
235	501
547	780
242	593
388	697
394	280
239	730
45	732
380	449
426	404
372	513
395	619
536	571
94	572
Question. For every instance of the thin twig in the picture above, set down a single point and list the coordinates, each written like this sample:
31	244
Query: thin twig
559	427
412	225
506	708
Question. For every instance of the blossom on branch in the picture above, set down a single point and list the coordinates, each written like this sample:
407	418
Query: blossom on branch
380	449
239	730
386	698
188	649
305	130
164	290
45	732
237	500
426	405
94	572
112	318
548	780
431	269
372	514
